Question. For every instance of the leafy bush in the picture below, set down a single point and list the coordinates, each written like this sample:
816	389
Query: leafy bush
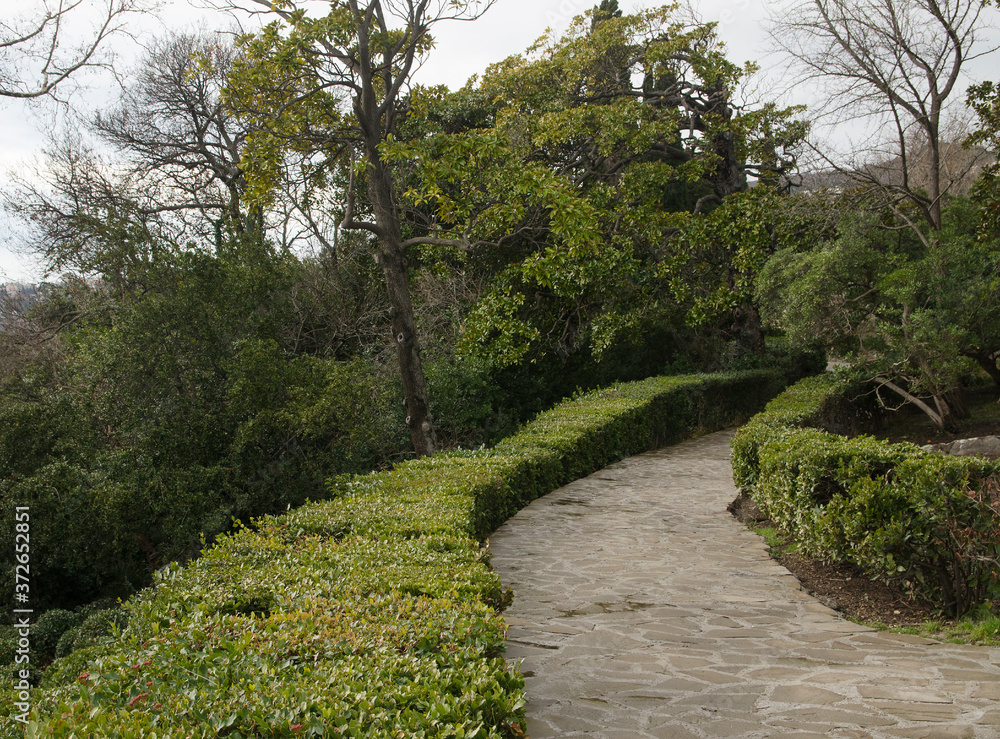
65	645
372	613
929	522
97	628
175	408
8	644
80	544
799	405
48	630
934	525
100	526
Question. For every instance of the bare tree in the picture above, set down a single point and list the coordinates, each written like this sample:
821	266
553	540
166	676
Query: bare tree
41	49
174	164
893	64
177	137
85	214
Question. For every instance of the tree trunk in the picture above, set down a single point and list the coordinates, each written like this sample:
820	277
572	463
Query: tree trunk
956	400
934	189
730	175
949	421
392	258
987	361
749	326
943	417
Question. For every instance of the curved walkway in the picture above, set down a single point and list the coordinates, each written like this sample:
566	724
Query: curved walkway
643	609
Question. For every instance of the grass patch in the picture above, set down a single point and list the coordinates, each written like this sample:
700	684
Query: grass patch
980	627
777	542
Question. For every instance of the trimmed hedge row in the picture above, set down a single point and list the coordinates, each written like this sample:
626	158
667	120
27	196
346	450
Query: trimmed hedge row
373	614
925	520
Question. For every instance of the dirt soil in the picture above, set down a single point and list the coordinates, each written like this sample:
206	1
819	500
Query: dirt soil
842	587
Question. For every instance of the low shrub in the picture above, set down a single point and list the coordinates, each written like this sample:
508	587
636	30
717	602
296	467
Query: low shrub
923	520
8	644
48	630
97	628
374	613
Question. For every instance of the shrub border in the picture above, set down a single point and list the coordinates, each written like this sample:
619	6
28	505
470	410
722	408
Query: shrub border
406	539
920	519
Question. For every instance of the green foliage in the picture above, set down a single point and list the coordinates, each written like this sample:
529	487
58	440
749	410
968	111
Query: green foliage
48	630
372	613
559	170
927	521
477	402
65	644
36	431
913	315
713	263
175	412
933	526
803	404
81	545
97	628
984	99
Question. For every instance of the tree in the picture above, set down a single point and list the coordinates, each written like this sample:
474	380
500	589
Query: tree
38	52
172	176
569	170
182	146
177	137
171	413
334	88
86	216
896	64
908	310
906	316
984	100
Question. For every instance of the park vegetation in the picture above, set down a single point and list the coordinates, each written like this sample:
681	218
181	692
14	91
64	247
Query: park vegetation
278	263
192	367
373	613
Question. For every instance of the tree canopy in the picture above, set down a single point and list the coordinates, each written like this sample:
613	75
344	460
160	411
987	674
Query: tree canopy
573	166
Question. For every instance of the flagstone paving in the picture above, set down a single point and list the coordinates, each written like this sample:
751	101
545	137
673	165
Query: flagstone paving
643	609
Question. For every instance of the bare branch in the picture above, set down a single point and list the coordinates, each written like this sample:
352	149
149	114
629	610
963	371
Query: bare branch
887	61
38	55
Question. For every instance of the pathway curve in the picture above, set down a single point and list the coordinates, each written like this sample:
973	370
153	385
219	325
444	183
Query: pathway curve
643	609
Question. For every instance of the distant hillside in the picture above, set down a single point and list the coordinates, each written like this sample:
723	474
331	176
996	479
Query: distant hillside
960	168
16	296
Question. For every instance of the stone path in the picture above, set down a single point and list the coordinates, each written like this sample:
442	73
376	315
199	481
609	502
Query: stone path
643	609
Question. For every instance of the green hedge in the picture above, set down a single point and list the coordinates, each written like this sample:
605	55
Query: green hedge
374	613
924	520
